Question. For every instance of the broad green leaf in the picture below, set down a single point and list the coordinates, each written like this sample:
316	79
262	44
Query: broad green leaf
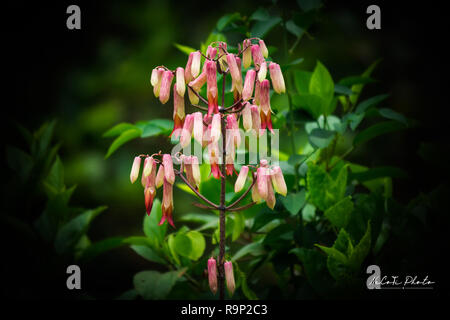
357	88
308	212
302	79
238	226
227	19
353	119
147	253
54	182
197	243
370	103
261	28
334	254
185	49
185	188
320	138
293	202
71	232
279	237
294	29
321	84
154	285
393	115
254	248
361	250
118	129
199	218
377	130
151	228
123	138
339	213
312	103
171	246
341	89
260	15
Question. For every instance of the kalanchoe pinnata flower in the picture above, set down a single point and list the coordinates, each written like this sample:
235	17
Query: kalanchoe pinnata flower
247	117
278	180
211	52
195	67
216	127
261	182
211	90
229	159
257	56
235	73
229	277
150	187
198	126
266	120
187	71
264	163
212	274
247	53
180	82
242	177
263	47
178	112
186	132
156	80
256	120
262	72
233	141
167	203
277	78
255	195
159	177
213	152
169	174
148	166
248	85
270	200
196	171
222	55
135	169
187	164
257	92
166	82
233	130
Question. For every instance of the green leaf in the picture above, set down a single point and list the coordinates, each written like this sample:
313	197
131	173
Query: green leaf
260	15
302	79
44	136
334	254
238	225
19	161
339	213
153	285
99	247
293	202
189	244
354	119
341	89
393	115
308	5
123	138
261	28
255	249
279	237
352	80
321	84
151	228
200	218
379	172
361	250
248	293
227	19
54	182
371	103
185	49
294	29
118	129
71	232
357	88
377	130
320	138
147	253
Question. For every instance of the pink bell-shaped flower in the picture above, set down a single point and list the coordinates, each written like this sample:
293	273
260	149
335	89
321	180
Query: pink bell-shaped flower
212	274
135	169
277	78
249	84
166	82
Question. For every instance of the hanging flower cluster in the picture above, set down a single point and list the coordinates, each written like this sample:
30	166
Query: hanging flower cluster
229	276
251	103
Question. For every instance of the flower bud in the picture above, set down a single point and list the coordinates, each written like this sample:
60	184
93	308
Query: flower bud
187	164
180	82
263	47
178	112
157	80
167	203
169	174
160	177
258	58
278	181
198	126
256	119
265	96
261	182
211	91
193	98
222	55
195	67
149	194
135	169
257	92
270	200
247	117
198	83
277	78
166	82
196	171
148	166
248	85
255	195
235	72
247	53
211	52
187	71
186	133
212	275
262	72
240	181
216	127
229	277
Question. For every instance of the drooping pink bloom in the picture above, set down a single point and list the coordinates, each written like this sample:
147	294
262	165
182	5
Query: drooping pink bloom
262	72
187	71
135	169
240	181
198	82
186	132
166	82
263	47
167	203
257	92
248	85
261	182
222	55
233	130
187	164
270	200
195	67
148	166
156	80
216	127
159	177
256	120
278	180
211	52
255	195
178	112
212	92
196	171
257	56
277	78
247	117
247	53
198	126
266	120
213	150
229	277
180	82
150	179
212	275
235	73
264	163
169	174
149	195
230	153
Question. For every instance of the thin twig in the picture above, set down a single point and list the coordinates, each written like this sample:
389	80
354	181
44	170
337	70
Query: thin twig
244	194
202	206
180	174
200	107
232	106
248	205
198	95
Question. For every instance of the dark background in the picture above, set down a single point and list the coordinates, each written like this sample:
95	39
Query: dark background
46	68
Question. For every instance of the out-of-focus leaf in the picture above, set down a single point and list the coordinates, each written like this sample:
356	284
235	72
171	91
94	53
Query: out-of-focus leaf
393	115
321	84
308	5
260	15
378	172
185	49
54	183
261	28
19	161
227	19
294	29
118	129
154	285
123	138
189	244
255	249
352	80
302	79
341	89
151	228
371	102
339	213
320	138
361	250
147	253
377	130
293	202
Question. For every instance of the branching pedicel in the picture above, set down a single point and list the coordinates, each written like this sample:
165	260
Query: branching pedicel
208	129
